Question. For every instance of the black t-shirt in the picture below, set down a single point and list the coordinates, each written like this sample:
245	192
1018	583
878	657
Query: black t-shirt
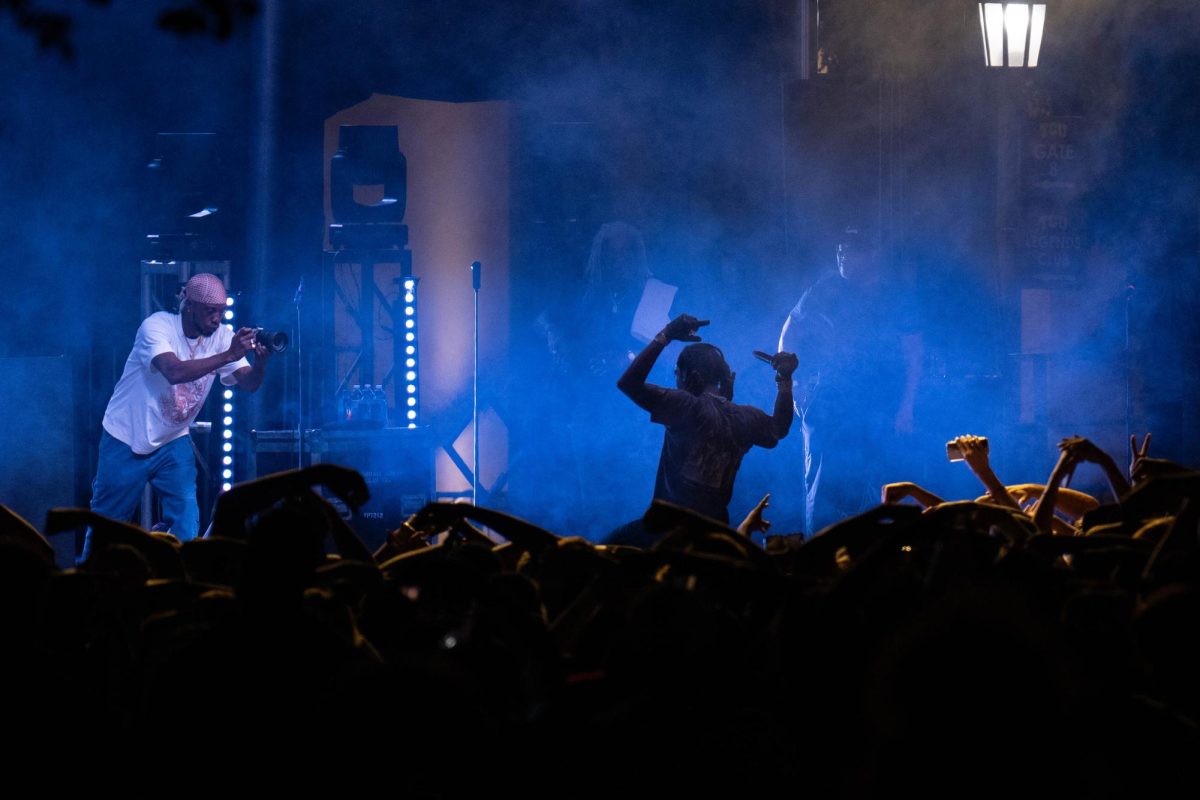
703	446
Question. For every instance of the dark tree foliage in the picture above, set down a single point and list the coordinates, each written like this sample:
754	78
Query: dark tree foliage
216	18
53	29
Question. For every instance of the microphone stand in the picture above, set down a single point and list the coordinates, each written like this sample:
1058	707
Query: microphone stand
476	279
299	380
1130	288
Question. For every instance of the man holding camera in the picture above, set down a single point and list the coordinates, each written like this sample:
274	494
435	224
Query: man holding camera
167	377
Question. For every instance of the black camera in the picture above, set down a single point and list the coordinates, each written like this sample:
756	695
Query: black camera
275	341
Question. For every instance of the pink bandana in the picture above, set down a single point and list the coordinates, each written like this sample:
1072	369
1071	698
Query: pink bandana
206	289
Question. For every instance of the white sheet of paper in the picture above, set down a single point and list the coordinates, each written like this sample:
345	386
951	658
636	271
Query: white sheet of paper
653	310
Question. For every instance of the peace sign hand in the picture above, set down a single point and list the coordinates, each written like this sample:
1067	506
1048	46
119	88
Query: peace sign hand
1136	454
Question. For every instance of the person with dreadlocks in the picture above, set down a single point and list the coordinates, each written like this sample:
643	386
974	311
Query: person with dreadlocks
167	377
707	434
591	338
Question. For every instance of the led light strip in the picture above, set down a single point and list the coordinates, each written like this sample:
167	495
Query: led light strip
227	418
411	372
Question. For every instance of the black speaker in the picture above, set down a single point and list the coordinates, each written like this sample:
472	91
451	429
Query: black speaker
275	451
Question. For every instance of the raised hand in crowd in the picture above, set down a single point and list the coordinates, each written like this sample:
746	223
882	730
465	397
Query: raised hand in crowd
1142	467
237	505
754	521
1070	502
1072	450
1136	453
437	517
1082	449
407	538
974	450
893	493
348	545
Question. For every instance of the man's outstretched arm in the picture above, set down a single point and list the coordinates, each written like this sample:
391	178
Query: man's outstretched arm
633	381
781	420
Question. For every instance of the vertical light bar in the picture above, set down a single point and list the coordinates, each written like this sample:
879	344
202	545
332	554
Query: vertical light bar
227	417
1016	27
411	372
1036	23
993	29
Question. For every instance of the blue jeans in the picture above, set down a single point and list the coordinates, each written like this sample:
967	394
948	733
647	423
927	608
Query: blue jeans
121	475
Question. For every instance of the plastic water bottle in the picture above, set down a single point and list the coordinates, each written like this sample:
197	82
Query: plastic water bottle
354	407
367	407
381	405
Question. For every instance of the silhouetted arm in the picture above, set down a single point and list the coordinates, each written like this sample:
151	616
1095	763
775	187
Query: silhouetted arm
1043	516
754	521
895	492
633	381
975	454
253	497
781	419
1084	450
523	534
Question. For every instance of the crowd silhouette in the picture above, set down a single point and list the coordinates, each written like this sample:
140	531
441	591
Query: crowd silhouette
1035	641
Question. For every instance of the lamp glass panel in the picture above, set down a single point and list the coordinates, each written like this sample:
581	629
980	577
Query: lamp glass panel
993	15
1037	23
1016	24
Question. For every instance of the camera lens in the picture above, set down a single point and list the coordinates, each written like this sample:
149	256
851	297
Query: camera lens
275	341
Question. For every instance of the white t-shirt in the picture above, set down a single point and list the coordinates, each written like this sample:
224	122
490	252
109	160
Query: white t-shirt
146	411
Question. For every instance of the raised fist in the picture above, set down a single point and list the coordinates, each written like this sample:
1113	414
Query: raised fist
785	364
683	329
